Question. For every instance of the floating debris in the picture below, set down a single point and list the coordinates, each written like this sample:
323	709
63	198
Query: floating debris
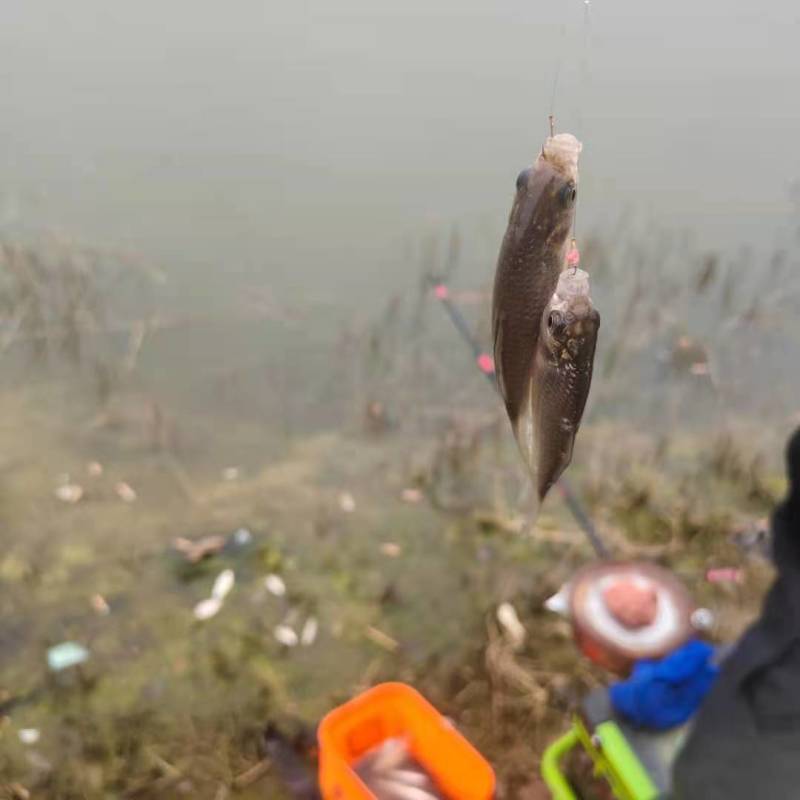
391	549
202	548
125	492
381	639
29	735
490	522
507	617
65	655
411	496
230	474
376	419
689	355
703	619
208	608
69	493
223	584
753	538
309	633
275	585
286	636
94	469
18	791
725	575
100	605
347	502
250	776
242	537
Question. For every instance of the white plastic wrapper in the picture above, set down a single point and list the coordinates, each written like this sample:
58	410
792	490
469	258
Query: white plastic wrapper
223	584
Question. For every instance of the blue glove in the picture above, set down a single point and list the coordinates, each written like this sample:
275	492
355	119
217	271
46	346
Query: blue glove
663	694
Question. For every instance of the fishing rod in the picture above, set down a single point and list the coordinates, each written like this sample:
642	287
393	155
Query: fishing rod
485	364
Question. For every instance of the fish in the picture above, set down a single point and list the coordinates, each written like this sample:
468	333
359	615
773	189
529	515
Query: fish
532	255
391	773
561	379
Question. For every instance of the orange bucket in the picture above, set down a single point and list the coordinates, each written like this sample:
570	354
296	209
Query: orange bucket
391	710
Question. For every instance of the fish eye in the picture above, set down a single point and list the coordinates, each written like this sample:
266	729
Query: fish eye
569	193
522	178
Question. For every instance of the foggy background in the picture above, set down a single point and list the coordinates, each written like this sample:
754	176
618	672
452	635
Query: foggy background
218	226
304	142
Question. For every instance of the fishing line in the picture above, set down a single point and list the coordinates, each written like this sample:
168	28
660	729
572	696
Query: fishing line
555	86
557	74
583	86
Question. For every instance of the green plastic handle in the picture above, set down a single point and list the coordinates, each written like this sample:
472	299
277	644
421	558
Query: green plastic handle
551	766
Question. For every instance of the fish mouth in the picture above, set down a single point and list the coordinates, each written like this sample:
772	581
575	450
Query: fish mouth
561	153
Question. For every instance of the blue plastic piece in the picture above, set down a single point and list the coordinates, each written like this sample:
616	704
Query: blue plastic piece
665	693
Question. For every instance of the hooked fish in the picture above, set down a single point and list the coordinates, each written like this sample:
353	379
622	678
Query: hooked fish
562	375
532	256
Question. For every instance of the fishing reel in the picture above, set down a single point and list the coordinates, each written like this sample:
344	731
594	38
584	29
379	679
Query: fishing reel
622	612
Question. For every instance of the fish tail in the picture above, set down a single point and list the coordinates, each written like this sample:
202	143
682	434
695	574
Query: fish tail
526	441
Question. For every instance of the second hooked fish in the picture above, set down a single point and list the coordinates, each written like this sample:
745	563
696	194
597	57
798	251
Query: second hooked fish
562	375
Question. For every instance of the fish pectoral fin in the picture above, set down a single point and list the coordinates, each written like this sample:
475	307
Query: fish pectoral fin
497	335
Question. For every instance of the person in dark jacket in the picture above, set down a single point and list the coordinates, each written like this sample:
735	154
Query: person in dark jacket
745	742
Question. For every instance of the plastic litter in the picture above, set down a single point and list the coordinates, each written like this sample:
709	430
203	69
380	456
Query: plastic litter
29	735
275	585
286	636
725	575
125	492
65	655
223	584
347	502
381	639
411	496
507	617
194	552
208	608
100	605
69	493
309	633
241	537
702	619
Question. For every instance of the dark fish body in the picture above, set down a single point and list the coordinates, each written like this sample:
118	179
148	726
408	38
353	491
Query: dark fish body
531	257
562	376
